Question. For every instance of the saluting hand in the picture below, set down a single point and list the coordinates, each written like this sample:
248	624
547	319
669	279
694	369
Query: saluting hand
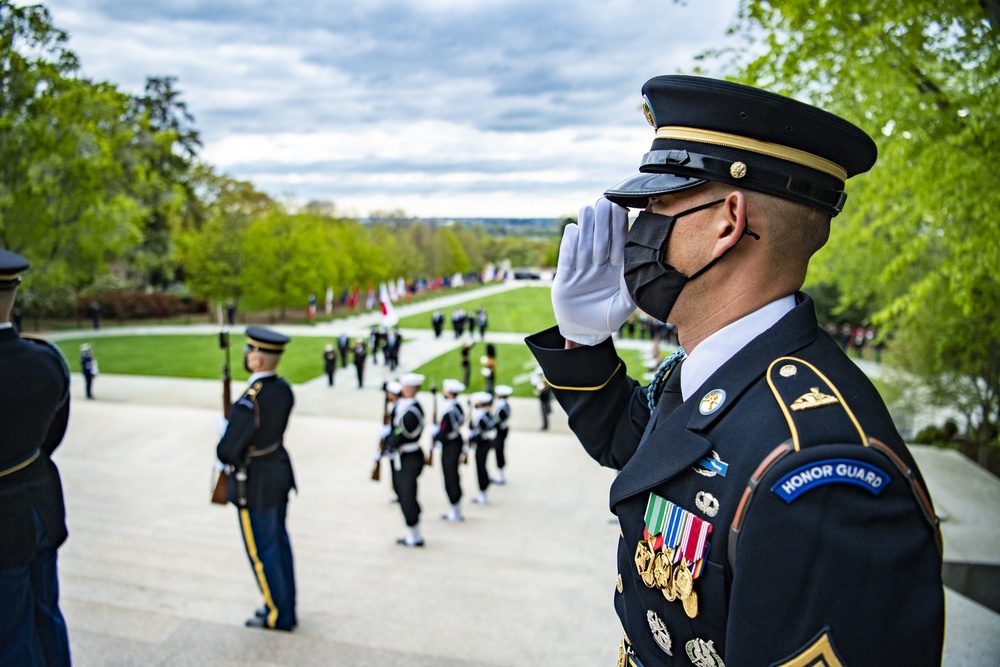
589	296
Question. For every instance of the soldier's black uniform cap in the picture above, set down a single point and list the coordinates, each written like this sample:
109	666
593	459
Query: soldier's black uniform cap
713	130
266	340
11	264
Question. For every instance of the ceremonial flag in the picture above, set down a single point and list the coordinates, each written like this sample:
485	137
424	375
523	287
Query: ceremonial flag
389	316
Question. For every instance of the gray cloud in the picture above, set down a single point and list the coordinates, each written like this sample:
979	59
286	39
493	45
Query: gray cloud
253	69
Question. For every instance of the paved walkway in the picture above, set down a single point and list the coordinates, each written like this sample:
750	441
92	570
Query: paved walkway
154	575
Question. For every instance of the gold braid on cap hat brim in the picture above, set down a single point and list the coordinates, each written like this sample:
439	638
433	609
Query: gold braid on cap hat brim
267	347
745	143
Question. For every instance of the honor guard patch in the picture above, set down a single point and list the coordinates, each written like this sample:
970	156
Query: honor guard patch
712	401
831	471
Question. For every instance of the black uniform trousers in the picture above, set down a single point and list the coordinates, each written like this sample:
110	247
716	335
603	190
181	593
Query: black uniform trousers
498	446
269	549
483	447
451	454
404	483
32	628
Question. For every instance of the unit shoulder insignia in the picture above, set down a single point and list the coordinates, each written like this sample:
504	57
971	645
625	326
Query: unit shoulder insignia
814	399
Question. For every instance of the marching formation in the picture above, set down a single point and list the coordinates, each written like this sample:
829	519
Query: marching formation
402	431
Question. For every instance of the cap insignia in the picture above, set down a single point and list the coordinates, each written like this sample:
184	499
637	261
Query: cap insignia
647	111
737	170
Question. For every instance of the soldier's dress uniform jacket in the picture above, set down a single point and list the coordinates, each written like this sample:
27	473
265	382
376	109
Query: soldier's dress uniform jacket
34	409
450	437
254	441
501	415
813	586
403	445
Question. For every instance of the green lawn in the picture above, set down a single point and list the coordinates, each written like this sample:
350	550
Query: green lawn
190	356
522	310
514	366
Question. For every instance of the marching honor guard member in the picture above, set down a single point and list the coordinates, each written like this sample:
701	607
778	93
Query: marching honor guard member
501	416
34	404
261	476
482	435
448	435
403	447
770	513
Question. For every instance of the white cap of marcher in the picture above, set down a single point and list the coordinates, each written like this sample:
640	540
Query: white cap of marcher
393	387
503	390
412	380
482	397
453	386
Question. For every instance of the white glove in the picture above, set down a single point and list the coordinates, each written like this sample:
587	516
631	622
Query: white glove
589	296
221	426
386	430
435	429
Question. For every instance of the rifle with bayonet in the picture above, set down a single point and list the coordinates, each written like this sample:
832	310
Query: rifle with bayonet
222	476
386	420
434	399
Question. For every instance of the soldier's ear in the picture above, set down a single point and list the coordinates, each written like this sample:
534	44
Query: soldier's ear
729	222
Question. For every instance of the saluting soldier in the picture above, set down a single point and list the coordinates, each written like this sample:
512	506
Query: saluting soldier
34	404
482	435
403	446
447	434
770	513
501	416
261	476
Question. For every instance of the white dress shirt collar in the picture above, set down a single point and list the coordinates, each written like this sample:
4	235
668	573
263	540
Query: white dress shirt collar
720	347
260	376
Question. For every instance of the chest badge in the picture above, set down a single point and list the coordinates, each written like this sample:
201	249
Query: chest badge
660	633
712	401
703	654
711	465
707	503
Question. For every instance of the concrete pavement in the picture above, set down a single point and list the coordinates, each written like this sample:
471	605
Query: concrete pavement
154	575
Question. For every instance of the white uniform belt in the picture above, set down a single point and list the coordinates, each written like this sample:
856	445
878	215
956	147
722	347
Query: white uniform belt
412	447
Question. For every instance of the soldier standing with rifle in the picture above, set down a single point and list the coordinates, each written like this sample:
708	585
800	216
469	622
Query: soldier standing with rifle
447	434
253	447
34	404
403	444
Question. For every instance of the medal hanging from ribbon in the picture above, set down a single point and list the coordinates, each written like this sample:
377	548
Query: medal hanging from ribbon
673	551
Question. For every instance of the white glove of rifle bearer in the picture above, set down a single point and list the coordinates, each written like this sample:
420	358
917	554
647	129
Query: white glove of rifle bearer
589	296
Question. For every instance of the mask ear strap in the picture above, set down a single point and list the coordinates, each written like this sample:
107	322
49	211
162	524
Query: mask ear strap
746	232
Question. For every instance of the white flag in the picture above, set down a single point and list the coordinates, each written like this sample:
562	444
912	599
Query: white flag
389	316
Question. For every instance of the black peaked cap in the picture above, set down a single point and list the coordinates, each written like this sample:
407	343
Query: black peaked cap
266	339
11	264
713	130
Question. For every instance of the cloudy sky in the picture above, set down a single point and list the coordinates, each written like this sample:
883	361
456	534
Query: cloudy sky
442	108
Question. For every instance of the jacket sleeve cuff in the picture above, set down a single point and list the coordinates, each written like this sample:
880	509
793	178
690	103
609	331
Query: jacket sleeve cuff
585	368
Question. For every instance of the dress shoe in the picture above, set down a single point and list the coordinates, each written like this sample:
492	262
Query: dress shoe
263	611
262	624
403	543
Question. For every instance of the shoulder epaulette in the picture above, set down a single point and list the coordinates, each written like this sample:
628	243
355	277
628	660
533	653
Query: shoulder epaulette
813	407
38	340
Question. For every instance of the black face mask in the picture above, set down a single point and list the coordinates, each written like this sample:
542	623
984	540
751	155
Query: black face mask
653	285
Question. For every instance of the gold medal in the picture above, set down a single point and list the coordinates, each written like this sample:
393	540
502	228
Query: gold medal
690	604
669	592
644	562
683	582
661	571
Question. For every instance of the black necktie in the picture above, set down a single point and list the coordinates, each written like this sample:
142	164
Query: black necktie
671	397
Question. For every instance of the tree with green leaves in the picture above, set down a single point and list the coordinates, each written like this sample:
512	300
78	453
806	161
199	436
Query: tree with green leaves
919	240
